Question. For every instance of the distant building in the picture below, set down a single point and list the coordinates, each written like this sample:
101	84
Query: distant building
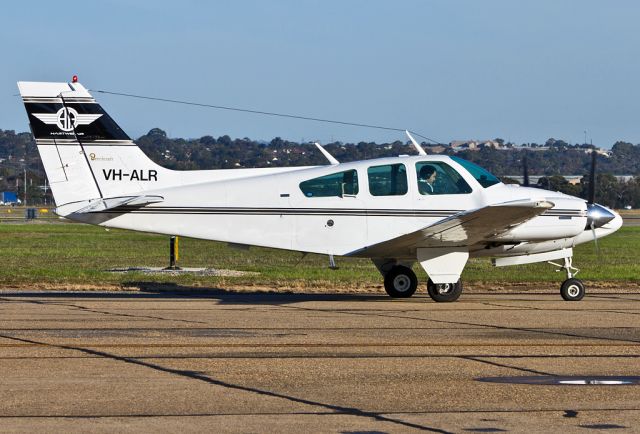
436	149
571	179
461	145
603	152
528	148
474	145
490	144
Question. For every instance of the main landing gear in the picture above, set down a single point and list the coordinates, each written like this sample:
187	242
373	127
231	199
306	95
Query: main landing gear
571	289
401	282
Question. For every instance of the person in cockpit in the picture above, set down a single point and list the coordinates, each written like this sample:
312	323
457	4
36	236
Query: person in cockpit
427	179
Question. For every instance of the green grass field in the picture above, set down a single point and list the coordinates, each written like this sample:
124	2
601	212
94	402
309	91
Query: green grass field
75	254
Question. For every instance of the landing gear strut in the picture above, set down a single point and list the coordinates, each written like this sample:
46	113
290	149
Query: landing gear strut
571	289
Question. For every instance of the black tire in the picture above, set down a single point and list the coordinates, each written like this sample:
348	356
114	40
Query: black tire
572	290
444	292
400	282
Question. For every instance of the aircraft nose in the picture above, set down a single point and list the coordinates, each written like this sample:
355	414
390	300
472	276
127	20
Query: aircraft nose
616	223
598	216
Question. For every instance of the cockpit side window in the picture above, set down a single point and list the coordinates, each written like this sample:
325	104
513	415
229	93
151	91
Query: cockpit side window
387	180
483	176
337	184
435	177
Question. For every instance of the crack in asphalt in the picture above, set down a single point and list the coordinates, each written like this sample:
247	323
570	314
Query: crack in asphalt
204	378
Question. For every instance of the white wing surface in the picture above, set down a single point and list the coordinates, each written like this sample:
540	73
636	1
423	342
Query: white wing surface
462	229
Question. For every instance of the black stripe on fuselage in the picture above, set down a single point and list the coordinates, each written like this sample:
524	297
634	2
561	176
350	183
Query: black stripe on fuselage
293	211
279	211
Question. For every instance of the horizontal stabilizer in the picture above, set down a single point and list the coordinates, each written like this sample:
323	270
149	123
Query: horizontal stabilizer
115	202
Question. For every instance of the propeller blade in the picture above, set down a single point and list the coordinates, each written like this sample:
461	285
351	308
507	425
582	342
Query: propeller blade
592	179
525	175
595	238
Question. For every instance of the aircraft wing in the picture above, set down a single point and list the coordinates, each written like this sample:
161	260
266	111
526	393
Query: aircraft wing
462	229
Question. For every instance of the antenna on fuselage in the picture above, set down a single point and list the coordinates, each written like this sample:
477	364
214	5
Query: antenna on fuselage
327	155
415	144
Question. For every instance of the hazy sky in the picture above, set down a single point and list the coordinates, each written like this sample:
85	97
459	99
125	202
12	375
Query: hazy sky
451	69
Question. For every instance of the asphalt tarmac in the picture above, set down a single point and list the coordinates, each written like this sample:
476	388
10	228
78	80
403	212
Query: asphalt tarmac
261	362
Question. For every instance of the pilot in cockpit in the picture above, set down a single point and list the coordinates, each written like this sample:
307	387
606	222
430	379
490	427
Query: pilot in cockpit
427	179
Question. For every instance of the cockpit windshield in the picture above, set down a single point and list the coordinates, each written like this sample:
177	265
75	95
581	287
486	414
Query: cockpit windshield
484	177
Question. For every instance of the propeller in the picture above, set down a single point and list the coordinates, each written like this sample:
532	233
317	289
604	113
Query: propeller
591	199
525	169
597	215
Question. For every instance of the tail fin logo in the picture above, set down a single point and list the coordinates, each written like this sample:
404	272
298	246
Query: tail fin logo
67	119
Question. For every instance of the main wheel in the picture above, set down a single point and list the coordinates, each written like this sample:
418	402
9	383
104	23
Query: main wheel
400	282
572	290
444	292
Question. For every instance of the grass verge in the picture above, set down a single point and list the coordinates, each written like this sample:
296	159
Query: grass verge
77	256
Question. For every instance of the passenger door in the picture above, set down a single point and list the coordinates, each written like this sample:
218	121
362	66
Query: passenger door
330	216
389	202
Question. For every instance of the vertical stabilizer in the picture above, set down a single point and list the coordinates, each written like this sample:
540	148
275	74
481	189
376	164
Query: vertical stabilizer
86	155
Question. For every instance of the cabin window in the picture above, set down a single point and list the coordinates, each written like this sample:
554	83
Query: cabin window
387	180
435	177
337	184
483	176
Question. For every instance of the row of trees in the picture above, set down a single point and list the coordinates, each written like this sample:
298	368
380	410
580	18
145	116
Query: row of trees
18	153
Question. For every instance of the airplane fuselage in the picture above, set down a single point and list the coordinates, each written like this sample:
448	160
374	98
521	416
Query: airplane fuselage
271	210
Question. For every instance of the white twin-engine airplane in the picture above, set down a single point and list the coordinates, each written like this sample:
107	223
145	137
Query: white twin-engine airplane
432	209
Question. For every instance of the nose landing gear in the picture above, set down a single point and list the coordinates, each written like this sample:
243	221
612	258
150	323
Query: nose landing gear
444	292
571	289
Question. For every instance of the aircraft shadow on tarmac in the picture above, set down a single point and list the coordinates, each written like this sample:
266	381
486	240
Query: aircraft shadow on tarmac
155	290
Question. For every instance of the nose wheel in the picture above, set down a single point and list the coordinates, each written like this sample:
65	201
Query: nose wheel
444	292
571	289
